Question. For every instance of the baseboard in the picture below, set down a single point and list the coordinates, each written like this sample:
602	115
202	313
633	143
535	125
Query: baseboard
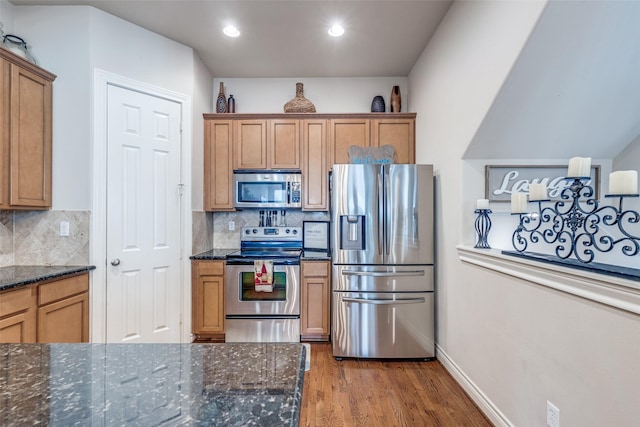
484	403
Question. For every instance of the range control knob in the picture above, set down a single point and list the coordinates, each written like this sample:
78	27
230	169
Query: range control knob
247	232
295	231
287	231
255	231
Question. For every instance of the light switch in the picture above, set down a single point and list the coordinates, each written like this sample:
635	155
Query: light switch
64	228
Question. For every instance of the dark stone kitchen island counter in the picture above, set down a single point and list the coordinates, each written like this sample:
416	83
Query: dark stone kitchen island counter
234	384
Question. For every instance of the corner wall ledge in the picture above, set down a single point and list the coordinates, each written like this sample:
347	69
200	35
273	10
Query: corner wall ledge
621	293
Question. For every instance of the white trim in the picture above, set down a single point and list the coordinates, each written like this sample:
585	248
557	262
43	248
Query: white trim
613	291
102	79
487	407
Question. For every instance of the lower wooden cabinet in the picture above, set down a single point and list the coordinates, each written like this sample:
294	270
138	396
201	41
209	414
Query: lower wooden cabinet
63	310
18	316
56	310
207	305
315	298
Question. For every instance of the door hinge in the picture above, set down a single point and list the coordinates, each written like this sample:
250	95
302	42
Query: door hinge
180	189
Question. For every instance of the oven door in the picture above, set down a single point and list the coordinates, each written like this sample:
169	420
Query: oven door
241	298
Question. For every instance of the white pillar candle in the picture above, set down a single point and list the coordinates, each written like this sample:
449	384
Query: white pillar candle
537	192
579	167
623	182
519	203
482	204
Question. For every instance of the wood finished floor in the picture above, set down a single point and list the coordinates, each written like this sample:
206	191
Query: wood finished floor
371	393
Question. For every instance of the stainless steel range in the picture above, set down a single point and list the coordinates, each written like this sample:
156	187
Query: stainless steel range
252	313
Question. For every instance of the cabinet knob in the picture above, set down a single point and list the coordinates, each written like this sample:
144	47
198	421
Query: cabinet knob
115	262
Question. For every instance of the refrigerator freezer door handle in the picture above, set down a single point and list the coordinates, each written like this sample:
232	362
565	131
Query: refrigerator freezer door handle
383	273
380	201
385	301
387	213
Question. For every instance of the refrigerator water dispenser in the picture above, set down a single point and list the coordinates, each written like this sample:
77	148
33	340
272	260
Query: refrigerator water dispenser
352	232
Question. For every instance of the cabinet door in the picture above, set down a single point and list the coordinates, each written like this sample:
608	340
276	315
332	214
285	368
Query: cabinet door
65	321
30	139
345	133
284	144
208	299
18	316
218	165
396	132
5	108
315	297
315	167
250	144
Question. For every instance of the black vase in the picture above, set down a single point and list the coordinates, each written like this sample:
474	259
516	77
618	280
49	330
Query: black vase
377	105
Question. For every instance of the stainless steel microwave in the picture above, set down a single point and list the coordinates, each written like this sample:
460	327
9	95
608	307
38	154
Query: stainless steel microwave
272	189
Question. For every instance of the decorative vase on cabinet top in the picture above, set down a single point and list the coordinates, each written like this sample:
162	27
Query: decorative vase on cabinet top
231	104
299	104
221	102
396	100
377	105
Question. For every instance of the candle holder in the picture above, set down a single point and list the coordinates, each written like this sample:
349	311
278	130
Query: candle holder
483	225
576	225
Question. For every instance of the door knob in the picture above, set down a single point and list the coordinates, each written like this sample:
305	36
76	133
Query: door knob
115	262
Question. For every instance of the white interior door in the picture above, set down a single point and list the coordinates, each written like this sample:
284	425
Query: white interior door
143	295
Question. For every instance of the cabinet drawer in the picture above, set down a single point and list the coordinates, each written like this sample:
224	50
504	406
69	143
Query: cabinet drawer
62	288
15	301
318	269
211	268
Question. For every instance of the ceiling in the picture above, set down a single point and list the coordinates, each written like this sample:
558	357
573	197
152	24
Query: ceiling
288	38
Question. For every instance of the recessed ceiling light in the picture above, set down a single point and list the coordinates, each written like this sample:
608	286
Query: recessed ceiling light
336	30
231	31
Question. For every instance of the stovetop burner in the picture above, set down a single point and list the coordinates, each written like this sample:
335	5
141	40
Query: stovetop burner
278	243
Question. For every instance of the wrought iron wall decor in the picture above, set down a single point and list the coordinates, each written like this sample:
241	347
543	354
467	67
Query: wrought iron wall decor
577	225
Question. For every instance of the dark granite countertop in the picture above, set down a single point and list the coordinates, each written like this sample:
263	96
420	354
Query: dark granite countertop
316	256
20	275
221	254
234	384
214	254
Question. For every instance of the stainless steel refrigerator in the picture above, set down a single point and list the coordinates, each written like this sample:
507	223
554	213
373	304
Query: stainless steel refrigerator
383	251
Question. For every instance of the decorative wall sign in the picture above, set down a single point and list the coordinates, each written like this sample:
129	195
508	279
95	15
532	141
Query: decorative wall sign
501	181
315	236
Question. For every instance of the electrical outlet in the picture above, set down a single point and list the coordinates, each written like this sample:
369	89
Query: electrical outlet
553	415
64	228
232	225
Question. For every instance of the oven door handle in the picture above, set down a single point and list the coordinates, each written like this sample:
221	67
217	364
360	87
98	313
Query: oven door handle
385	301
261	316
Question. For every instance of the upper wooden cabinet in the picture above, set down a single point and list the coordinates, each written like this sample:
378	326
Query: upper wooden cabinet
284	144
315	166
267	144
250	144
400	133
25	134
218	165
310	142
346	132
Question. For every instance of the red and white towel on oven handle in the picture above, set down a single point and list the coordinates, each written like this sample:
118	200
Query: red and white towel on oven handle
263	275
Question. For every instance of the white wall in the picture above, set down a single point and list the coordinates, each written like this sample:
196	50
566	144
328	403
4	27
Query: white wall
202	101
518	343
329	95
72	41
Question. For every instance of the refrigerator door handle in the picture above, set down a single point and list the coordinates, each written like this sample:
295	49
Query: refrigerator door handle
380	201
387	208
385	301
383	273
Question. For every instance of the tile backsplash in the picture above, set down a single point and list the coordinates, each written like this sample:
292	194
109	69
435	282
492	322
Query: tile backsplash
33	238
223	238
